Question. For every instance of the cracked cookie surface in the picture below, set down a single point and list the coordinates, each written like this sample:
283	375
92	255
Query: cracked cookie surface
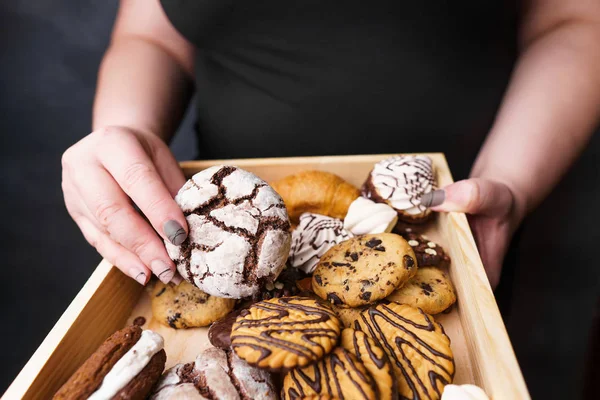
364	269
216	374
238	236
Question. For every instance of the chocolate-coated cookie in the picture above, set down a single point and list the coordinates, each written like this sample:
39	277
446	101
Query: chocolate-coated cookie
429	253
285	333
186	306
126	365
430	290
340	374
238	237
415	344
364	269
371	354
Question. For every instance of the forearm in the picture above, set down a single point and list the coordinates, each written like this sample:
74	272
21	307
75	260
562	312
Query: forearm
142	87
548	114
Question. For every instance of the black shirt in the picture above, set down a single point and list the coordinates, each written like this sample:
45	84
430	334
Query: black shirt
312	77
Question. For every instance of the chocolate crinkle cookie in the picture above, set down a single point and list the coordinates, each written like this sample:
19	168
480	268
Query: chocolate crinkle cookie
216	374
239	232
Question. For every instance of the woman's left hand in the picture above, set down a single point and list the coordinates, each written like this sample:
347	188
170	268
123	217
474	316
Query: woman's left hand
493	212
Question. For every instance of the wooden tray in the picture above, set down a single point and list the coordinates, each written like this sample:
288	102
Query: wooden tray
109	300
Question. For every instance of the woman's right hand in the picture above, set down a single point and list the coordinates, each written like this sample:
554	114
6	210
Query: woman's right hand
103	175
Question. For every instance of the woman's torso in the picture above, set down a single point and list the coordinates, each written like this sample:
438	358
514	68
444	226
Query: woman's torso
287	78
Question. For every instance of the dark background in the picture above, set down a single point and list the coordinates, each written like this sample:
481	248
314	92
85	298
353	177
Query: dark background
49	54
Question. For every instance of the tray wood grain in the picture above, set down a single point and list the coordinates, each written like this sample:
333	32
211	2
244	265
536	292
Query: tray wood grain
109	300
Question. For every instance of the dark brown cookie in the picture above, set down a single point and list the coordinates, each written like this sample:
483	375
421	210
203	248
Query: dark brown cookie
284	286
219	333
89	376
429	254
140	387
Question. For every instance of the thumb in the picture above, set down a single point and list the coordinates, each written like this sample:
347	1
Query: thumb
471	196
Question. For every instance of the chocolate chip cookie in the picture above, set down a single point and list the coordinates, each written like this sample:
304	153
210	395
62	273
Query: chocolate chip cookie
186	306
415	344
238	237
125	366
429	254
430	290
340	375
216	374
364	269
371	354
285	333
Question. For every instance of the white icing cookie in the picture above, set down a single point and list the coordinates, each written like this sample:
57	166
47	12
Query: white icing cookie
400	182
238	232
365	216
315	235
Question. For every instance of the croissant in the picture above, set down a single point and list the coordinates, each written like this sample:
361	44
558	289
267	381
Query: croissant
317	192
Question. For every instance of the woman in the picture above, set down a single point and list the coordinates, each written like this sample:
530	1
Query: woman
312	77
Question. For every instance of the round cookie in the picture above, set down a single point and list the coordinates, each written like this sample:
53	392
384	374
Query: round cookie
369	352
285	333
125	366
340	375
186	306
429	254
348	314
415	344
430	290
400	182
216	374
364	269
312	238
238	237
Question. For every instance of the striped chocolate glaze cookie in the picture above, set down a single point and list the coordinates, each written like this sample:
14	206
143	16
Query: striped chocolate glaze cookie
416	345
369	352
339	375
285	333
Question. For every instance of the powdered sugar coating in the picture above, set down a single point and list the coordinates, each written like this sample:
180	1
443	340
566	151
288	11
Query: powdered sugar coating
212	364
238	233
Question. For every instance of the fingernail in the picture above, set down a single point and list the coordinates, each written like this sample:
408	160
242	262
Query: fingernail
434	198
177	279
174	232
139	276
165	273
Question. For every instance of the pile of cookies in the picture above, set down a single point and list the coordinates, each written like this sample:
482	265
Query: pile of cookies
312	288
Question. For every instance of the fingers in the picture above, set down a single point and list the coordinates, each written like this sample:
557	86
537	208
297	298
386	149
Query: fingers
472	196
116	254
113	212
135	172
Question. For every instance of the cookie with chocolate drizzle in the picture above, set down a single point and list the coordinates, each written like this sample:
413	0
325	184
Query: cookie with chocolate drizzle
339	375
284	333
364	269
368	351
415	344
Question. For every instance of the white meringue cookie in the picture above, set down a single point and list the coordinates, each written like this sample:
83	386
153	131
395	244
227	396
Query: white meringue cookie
463	392
315	235
401	181
365	216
